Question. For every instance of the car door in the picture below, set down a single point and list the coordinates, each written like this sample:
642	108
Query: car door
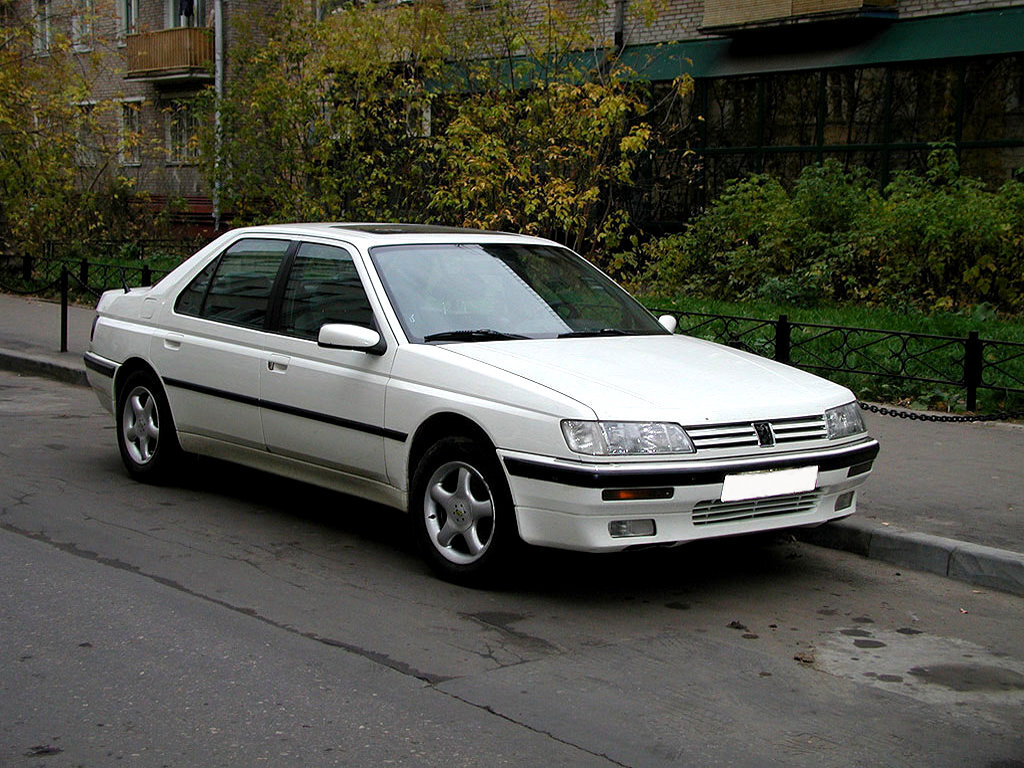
209	350
324	405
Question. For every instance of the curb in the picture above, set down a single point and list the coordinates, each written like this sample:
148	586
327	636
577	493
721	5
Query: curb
38	365
972	563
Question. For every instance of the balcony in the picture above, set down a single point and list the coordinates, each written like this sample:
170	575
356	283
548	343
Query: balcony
182	53
736	15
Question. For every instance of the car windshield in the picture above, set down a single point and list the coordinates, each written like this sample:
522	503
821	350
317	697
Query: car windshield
476	292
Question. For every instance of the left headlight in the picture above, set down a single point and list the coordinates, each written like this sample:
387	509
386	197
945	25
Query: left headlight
844	421
625	438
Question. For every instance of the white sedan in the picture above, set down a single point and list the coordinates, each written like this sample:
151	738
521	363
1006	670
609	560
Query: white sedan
497	386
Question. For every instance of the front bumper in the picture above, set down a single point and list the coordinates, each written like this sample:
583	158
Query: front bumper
569	505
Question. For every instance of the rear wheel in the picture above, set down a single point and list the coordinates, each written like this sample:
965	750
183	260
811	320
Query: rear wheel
145	431
462	512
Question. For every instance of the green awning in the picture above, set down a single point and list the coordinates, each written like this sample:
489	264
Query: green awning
813	47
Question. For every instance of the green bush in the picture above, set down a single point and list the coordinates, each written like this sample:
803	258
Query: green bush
938	241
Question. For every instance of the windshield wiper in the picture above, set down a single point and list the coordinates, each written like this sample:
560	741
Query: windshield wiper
600	332
477	334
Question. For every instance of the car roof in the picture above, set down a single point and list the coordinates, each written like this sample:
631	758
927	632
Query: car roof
374	233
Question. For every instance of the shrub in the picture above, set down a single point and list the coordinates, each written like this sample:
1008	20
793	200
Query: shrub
938	241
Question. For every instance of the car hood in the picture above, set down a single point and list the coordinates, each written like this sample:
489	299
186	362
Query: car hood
674	378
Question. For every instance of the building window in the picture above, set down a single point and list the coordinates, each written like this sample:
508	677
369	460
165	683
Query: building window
128	11
87	148
42	38
182	132
129	147
83	13
186	13
418	120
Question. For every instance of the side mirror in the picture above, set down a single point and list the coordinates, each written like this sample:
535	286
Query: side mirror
344	336
668	322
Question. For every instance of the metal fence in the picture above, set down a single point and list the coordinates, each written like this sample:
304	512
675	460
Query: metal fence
970	362
967	362
84	270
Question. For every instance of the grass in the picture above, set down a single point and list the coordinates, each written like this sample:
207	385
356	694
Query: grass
988	323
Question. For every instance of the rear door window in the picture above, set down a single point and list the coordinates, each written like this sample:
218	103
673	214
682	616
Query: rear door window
236	288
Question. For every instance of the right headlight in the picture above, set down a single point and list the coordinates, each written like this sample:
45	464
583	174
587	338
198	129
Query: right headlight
844	421
625	438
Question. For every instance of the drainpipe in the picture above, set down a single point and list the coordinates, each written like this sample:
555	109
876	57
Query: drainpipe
218	89
620	26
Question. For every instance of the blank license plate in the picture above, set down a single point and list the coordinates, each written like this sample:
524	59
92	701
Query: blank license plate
761	485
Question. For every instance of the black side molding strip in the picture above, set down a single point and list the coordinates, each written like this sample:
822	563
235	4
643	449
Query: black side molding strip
595	478
371	429
101	367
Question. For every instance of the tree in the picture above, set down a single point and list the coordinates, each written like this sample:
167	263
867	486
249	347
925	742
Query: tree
514	115
58	169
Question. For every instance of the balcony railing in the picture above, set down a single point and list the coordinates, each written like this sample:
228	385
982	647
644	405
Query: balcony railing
723	14
180	53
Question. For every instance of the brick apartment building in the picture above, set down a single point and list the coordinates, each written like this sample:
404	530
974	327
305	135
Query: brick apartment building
779	84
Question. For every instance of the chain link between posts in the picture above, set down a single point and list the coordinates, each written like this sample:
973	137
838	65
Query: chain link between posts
943	418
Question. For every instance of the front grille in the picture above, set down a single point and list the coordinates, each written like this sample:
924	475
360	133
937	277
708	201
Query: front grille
743	434
711	512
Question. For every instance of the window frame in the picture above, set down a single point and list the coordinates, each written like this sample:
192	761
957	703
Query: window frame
42	27
181	153
83	21
277	319
273	295
128	18
129	155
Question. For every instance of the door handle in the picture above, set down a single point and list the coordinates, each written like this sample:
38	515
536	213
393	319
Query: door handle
173	341
278	363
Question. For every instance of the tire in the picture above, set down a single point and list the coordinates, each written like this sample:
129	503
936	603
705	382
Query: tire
462	513
145	430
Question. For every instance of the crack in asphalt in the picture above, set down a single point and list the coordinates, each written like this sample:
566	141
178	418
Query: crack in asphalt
431	679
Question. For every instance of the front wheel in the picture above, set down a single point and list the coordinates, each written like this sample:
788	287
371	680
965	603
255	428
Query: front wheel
462	512
145	431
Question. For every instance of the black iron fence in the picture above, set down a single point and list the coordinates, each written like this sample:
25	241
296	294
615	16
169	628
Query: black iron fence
969	362
82	271
94	266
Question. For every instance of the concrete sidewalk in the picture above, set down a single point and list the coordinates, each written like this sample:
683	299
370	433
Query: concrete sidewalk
944	498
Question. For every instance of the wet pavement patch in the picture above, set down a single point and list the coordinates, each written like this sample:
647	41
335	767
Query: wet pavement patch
862	643
965	678
42	750
930	668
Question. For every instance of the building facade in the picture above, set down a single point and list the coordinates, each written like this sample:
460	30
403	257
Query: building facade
778	85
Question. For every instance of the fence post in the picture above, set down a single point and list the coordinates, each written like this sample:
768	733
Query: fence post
83	272
783	339
63	307
26	267
147	275
972	368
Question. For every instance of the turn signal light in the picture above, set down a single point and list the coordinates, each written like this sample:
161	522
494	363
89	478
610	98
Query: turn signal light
636	494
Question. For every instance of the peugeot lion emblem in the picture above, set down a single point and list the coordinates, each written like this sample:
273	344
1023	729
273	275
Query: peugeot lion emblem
765	434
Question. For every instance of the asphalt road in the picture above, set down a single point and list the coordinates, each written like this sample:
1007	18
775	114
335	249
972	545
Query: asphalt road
239	619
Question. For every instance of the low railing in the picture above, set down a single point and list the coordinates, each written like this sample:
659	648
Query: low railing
967	362
178	51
